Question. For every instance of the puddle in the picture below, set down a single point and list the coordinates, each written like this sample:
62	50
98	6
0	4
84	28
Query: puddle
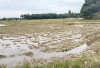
2	25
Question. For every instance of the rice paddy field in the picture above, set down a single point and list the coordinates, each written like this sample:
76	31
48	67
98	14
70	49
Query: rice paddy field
50	43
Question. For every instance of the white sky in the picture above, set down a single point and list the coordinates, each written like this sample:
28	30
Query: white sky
14	8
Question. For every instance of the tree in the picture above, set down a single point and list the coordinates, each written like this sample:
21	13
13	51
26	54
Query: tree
90	8
4	18
69	14
22	16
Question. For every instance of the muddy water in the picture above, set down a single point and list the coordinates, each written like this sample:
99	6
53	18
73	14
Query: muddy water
11	61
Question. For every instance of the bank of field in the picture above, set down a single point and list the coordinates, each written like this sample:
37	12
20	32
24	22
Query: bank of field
50	43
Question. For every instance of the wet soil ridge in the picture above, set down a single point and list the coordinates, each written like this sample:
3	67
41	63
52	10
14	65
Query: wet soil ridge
93	37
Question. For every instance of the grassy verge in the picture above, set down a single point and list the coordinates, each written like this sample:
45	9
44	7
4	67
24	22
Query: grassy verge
77	63
84	62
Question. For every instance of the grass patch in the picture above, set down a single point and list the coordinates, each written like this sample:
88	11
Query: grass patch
3	66
21	27
82	62
77	63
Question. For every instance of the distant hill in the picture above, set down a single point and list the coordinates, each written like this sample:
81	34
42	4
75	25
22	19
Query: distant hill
91	9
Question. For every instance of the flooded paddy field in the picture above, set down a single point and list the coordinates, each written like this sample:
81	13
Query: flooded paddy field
42	40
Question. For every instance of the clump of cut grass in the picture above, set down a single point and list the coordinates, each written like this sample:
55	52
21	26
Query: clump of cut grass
1	37
29	54
2	56
31	47
29	36
45	50
71	23
17	41
12	55
63	48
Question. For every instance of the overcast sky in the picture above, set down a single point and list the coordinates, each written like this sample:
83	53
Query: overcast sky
14	8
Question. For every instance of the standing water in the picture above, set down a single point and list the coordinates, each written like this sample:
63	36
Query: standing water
2	24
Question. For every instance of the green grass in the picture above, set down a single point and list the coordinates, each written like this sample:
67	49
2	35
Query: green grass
77	63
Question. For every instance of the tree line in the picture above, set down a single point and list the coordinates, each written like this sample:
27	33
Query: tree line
70	14
50	16
45	16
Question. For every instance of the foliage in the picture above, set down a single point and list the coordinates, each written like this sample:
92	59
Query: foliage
50	16
90	9
10	18
76	63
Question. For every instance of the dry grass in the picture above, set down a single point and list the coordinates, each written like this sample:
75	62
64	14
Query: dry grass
52	26
45	50
2	56
1	37
12	55
21	27
41	27
29	54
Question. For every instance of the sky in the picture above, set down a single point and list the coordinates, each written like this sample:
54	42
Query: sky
14	8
